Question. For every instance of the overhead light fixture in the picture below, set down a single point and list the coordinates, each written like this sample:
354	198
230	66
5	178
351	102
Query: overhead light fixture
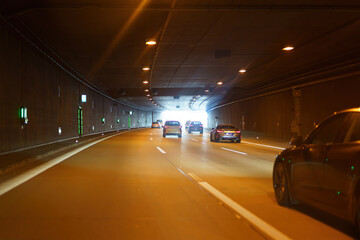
288	48
148	95
207	90
146	90
219	83
145	82
145	68
151	42
150	99
242	70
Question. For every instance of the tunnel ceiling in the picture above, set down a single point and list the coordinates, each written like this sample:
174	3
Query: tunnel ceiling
199	42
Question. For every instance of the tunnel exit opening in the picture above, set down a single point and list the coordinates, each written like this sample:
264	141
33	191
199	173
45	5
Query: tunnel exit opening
183	116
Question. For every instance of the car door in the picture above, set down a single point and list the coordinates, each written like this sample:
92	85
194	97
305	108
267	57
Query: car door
342	168
308	163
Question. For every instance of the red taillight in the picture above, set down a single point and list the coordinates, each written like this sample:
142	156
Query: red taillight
191	125
165	126
219	131
200	125
237	131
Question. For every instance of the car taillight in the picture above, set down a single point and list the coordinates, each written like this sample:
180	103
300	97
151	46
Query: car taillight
191	125
200	125
237	131
179	126
165	126
219	131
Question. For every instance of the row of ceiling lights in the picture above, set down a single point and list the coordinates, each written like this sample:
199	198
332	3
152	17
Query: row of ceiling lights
146	82
243	70
146	68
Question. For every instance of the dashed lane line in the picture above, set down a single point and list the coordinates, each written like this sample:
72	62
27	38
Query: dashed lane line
227	149
162	151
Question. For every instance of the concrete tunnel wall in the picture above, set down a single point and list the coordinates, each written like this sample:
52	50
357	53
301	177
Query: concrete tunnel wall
290	112
52	97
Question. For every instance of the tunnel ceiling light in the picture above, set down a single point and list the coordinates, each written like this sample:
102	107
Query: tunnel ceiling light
145	82
207	90
145	68
219	83
288	48
151	42
150	99
148	95
242	71
146	90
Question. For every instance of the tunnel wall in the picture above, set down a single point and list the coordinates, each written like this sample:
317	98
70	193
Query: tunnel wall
52	97
290	112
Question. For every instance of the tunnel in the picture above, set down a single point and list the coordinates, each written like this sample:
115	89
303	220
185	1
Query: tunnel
77	75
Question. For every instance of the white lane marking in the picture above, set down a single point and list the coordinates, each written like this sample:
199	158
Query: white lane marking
151	139
194	139
162	151
253	219
195	177
263	145
20	179
227	149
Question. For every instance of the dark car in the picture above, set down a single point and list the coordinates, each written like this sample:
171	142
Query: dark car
225	132
323	170
172	128
196	126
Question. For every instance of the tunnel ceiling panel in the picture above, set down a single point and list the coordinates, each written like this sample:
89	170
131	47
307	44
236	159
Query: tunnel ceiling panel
199	43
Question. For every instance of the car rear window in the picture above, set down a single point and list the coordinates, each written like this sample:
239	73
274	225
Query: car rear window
172	123
225	127
196	123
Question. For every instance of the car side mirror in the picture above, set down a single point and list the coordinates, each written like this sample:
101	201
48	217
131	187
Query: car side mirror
296	141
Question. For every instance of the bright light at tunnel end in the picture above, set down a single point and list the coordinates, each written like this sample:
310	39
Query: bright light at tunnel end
183	116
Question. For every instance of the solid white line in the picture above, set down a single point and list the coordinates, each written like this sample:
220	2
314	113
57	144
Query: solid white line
195	177
263	145
20	179
227	149
194	139
162	151
253	219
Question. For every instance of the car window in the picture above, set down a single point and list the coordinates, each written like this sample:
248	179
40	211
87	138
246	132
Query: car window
196	123
354	131
172	123
225	127
328	131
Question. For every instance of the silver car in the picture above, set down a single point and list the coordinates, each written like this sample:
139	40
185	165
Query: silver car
172	128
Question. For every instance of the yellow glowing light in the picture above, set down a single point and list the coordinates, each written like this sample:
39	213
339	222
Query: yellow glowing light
146	90
145	68
242	70
148	95
151	42
219	83
288	48
145	82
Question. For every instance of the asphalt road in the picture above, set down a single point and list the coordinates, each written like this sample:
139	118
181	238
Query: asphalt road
139	185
